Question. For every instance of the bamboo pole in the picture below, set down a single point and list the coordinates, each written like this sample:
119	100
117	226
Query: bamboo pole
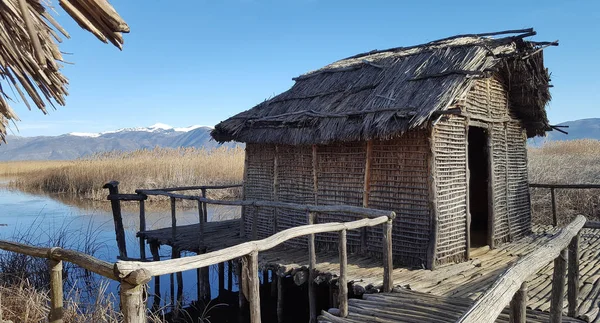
113	189
142	229
518	305
388	264
573	277
253	287
56	291
558	287
312	263
343	280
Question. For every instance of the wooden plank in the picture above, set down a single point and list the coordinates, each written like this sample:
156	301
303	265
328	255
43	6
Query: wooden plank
191	188
558	287
56	292
343	279
491	303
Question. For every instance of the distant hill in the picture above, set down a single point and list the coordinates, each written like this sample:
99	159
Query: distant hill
75	145
578	129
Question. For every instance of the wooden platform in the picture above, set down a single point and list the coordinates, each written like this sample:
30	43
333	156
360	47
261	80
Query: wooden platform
465	280
412	307
217	235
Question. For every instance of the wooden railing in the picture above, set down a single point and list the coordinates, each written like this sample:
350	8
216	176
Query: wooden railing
553	187
511	287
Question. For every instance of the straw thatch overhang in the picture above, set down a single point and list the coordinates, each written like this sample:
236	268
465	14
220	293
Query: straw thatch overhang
384	93
30	57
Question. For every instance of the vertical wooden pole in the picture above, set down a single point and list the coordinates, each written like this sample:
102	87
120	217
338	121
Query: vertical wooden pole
558	287
434	215
468	184
315	162
243	282
113	189
230	275
221	272
279	299
155	257
142	229
205	208
273	284
518	305
366	193
312	263
253	287
201	225
244	208
491	184
173	221
573	277
132	303
388	264
275	187
554	218
56	291
343	280
254	222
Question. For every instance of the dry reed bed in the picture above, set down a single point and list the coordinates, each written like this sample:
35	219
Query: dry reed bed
565	162
156	168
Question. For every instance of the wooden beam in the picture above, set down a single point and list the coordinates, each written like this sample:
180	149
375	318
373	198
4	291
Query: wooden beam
113	189
558	287
567	186
573	277
343	279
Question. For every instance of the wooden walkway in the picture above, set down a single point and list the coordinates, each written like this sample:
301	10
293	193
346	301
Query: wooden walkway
414	307
465	280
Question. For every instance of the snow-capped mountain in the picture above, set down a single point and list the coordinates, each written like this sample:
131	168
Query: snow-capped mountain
79	144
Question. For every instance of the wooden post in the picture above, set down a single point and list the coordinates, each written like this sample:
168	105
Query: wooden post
201	225
243	274
388	265
467	198
173	220
205	209
142	229
434	214
113	189
573	277
279	299
518	305
132	303
179	276
155	257
254	222
253	287
56	292
366	194
312	263
558	287
273	284
230	275
343	280
554	218
491	198
315	162
221	272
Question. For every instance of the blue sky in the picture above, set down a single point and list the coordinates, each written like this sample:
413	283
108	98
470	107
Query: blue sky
199	62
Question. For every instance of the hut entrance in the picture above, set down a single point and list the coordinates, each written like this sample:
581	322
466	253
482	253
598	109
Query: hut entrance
479	161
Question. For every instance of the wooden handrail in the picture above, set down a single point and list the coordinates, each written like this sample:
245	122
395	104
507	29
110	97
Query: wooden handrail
575	186
489	305
204	260
193	188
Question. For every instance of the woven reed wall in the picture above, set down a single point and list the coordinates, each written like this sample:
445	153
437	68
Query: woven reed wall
399	182
340	180
259	186
450	169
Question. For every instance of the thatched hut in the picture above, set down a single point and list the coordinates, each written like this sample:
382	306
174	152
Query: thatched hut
435	132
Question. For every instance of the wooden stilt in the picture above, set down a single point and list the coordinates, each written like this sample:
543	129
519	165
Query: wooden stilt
113	189
343	280
253	287
142	228
230	275
554	217
56	292
573	277
518	305
273	284
155	257
221	273
280	299
242	274
558	287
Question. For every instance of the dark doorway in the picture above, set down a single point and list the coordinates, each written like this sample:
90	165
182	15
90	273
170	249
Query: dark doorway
479	164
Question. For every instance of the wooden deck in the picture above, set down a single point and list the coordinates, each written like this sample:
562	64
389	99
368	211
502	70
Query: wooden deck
414	307
465	280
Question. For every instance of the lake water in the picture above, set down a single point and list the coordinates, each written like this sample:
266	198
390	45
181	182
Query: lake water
41	219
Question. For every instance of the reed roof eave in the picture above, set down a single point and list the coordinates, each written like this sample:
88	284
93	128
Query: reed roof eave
31	66
382	94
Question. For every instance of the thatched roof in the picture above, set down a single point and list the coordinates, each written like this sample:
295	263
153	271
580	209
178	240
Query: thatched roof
31	65
383	93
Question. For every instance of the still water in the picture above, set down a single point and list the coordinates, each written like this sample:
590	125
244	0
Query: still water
44	219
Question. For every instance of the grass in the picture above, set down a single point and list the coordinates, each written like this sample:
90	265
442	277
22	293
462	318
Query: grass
155	168
565	162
